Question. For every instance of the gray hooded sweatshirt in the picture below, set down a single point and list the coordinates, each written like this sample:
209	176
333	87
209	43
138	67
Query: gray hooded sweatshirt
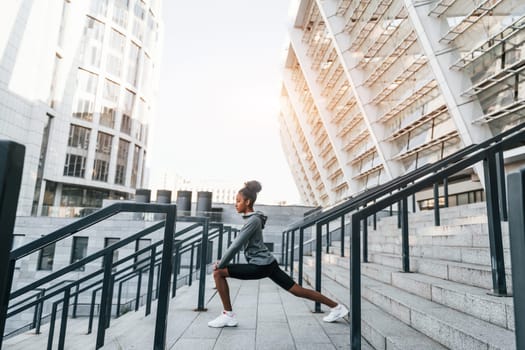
250	238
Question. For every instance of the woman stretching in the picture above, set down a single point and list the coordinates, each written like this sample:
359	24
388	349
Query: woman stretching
261	263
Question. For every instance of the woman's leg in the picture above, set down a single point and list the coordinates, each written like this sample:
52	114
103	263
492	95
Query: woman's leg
222	287
311	294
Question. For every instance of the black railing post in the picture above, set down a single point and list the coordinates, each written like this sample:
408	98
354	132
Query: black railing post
219	248
343	235
192	256
119	297
39	313
516	182
52	322
328	238
110	301
63	322
399	214
318	252
445	191
104	298
355	284
204	255
414	202
159	342
11	167
137	296
151	276
365	240
282	248
502	193
92	311
404	236
176	266
375	222
494	221
237	256
286	250
157	287
292	248
301	253
437	220
75	301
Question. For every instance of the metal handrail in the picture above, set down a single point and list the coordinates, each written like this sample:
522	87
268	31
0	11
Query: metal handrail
397	191
192	239
90	220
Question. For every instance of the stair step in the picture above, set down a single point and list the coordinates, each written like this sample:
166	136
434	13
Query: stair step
473	235
471	300
471	274
381	330
452	328
469	255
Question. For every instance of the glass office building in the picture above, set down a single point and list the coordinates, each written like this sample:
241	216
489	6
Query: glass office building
78	87
374	89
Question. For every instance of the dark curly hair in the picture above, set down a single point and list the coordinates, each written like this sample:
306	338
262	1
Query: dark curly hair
250	190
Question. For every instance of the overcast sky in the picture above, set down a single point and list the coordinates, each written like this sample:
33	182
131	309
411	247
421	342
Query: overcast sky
218	101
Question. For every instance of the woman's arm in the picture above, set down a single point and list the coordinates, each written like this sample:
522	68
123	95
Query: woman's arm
246	232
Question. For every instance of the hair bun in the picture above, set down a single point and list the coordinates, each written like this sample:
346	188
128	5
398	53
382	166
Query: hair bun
253	185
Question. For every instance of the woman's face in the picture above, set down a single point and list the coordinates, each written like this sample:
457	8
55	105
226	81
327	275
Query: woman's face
241	204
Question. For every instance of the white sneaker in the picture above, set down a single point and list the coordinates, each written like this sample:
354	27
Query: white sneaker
337	312
224	321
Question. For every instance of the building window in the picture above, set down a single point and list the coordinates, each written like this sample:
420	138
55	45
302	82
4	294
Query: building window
135	167
122	161
99	7
79	250
104	143
77	196
45	258
87	82
125	124
92	48
75	165
133	64
139	12
84	109
114	58
141	244
78	137
120	12
100	170
107	116
85	95
129	100
111	91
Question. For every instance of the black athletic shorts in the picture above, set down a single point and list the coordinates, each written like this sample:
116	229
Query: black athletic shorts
255	272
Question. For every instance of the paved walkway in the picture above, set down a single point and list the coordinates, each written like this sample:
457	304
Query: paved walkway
269	318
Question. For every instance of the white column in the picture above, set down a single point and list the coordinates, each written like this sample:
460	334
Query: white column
295	143
335	25
307	130
324	113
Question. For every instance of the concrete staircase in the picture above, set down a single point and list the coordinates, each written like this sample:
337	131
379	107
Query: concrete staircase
444	302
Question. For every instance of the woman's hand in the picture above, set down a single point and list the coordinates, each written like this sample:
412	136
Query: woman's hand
216	265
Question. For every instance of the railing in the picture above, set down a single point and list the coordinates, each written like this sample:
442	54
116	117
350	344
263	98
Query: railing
164	256
11	165
397	191
106	271
149	264
516	197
